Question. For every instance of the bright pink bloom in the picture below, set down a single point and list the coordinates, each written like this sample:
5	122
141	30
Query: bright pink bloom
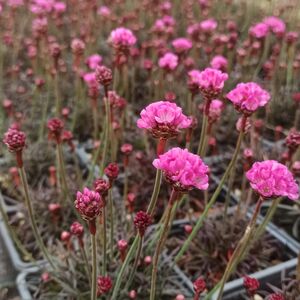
169	61
163	119
60	7
89	204
271	179
276	25
94	61
182	45
211	82
184	170
248	97
104	11
194	78
219	62
259	30
90	79
215	110
208	26
122	38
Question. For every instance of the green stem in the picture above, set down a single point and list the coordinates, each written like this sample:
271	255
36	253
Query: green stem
136	261
104	241
62	170
26	255
203	134
212	200
111	218
87	268
160	244
57	97
155	193
240	248
94	267
32	219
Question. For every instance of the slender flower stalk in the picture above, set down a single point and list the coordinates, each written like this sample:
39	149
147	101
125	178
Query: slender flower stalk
173	198
94	267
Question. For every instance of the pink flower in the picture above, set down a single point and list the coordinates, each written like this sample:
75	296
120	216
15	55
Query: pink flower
182	45
248	97
211	82
163	119
60	7
184	170
122	38
94	61
14	140
104	11
208	26
142	221
194	78
89	204
276	25
90	79
215	110
272	179
169	61
259	30
15	3
219	62
104	284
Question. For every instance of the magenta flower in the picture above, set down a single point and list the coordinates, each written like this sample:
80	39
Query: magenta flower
184	170
89	204
94	61
142	221
208	26
90	79
219	62
14	140
182	45
276	25
104	11
271	179
259	30
104	284
211	82
248	97
215	110
251	285
169	61
122	38
163	119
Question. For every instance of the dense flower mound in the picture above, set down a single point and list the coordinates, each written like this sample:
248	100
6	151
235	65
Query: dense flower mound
122	38
248	97
184	170
14	139
163	119
89	204
211	82
169	61
272	179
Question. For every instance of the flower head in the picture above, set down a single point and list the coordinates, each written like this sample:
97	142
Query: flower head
194	78
101	186
184	170
142	221
248	97
208	26
219	62
55	127
122	38
14	139
169	61
163	119
271	179
276	25
103	75
276	296
259	30
215	110
211	82
77	229
94	61
293	140
104	284
182	45
199	285
251	285
112	171
89	204
77	46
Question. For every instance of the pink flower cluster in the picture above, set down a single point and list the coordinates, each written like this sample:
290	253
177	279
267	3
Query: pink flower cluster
14	139
215	110
211	82
259	30
89	204
248	97
184	170
194	81
163	119
182	45
122	38
94	61
208	26
169	61
276	25
272	179
219	62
